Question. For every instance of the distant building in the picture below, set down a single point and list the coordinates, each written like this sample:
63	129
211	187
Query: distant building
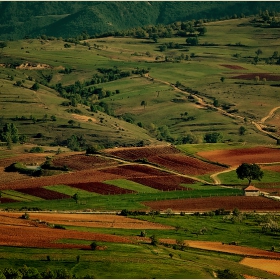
251	191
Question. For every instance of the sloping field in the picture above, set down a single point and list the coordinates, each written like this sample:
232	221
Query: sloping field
84	176
185	164
83	162
238	156
135	170
141	152
42	237
43	193
272	266
84	220
240	250
101	188
164	183
243	203
168	157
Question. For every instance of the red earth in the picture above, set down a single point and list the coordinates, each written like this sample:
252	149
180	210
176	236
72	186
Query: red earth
235	157
243	203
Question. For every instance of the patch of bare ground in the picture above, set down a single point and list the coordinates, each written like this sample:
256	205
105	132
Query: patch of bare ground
234	157
42	237
83	118
83	176
269	265
243	203
84	220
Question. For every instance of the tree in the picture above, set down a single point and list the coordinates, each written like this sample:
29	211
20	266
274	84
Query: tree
193	41
249	171
76	197
35	86
3	45
213	137
242	130
144	103
93	246
9	133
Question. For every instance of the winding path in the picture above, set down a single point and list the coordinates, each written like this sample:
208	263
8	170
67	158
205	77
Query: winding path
259	125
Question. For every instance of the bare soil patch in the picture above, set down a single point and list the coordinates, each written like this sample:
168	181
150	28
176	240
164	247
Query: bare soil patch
243	203
85	220
235	157
185	164
83	162
83	176
40	237
272	266
83	118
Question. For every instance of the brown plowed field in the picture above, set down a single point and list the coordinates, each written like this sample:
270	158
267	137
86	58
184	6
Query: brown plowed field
135	170
185	165
272	266
101	188
66	179
47	238
43	193
85	220
83	162
164	183
34	233
141	152
243	203
272	167
236	157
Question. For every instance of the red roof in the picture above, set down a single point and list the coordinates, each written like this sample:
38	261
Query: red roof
251	188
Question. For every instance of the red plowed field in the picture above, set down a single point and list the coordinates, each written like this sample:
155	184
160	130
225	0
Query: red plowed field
44	193
236	157
83	162
166	183
185	164
243	203
141	152
135	170
32	233
101	188
251	76
62	179
47	238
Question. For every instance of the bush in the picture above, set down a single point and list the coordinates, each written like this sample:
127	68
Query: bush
93	246
36	150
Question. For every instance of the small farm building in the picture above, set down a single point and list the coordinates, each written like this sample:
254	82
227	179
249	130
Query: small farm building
251	191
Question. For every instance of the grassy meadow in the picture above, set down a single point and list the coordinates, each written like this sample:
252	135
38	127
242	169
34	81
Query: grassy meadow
201	72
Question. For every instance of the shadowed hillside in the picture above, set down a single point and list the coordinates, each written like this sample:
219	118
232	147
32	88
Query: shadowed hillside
69	19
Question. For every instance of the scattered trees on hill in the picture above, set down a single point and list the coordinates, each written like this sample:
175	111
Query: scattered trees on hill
213	137
249	171
9	134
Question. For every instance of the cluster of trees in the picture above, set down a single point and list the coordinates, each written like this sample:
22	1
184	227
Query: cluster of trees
26	272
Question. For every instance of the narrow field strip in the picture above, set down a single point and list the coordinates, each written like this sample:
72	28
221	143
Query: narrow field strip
131	185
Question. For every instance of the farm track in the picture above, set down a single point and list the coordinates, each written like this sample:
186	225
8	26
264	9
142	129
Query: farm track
259	125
